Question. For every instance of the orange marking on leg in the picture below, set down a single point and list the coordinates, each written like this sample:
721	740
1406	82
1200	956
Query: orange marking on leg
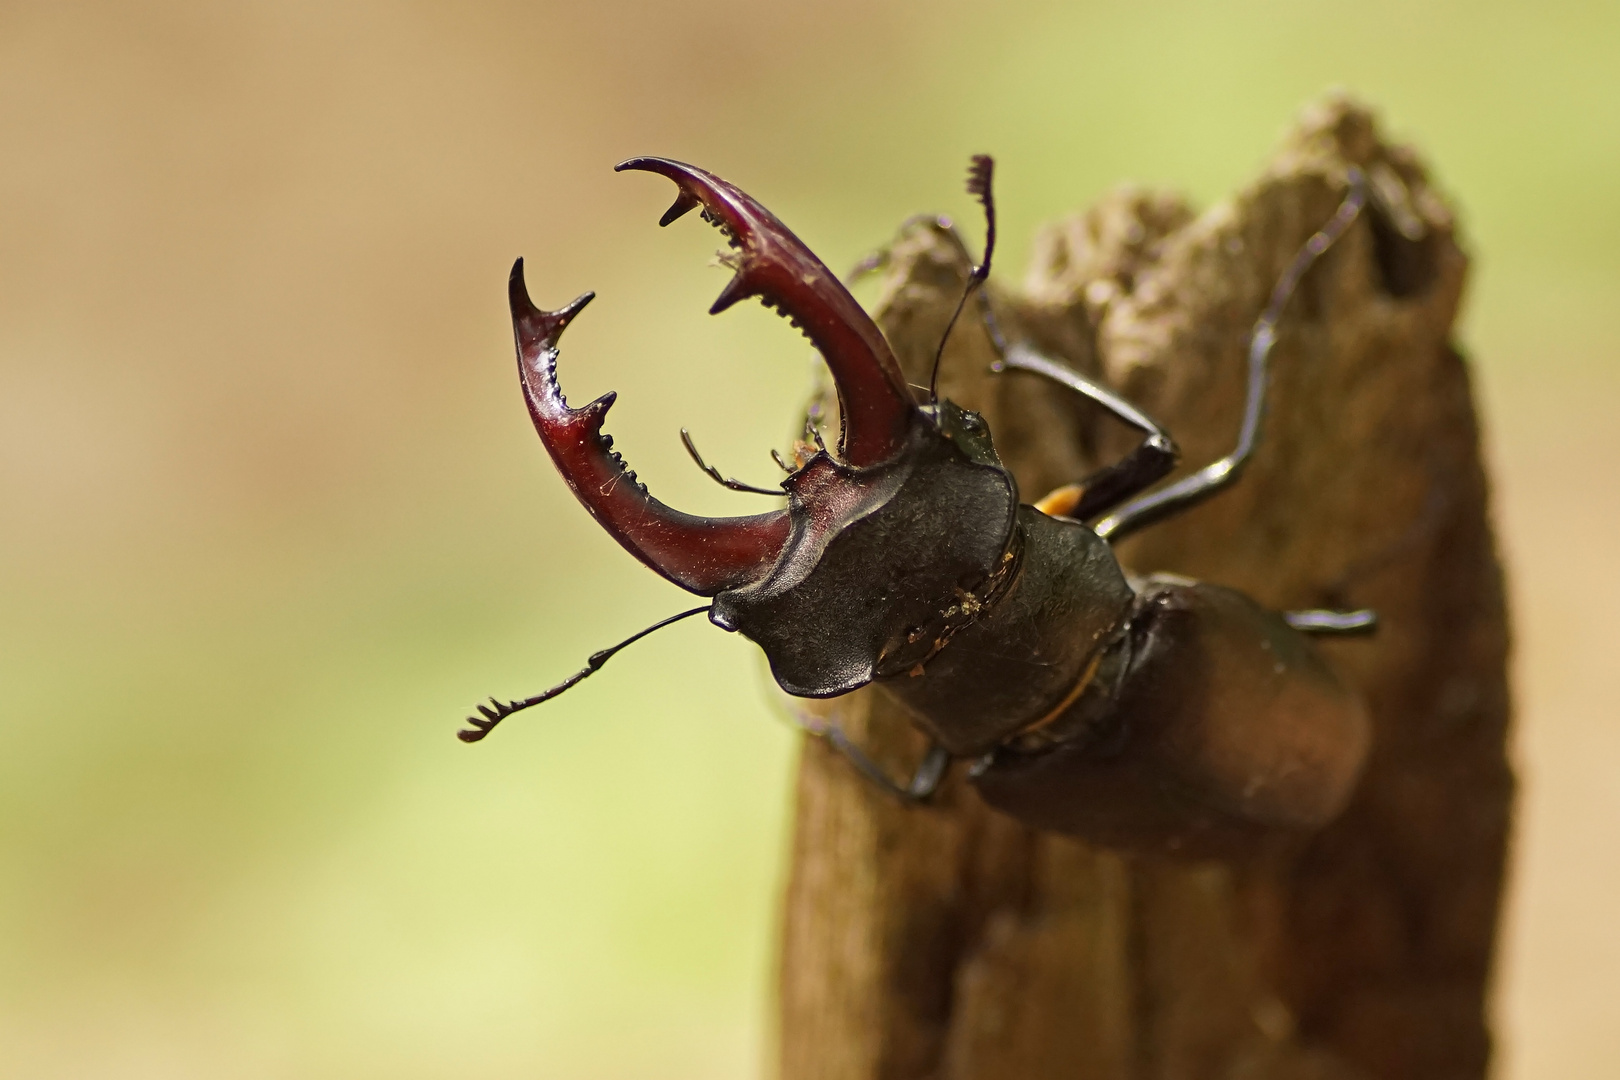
1061	502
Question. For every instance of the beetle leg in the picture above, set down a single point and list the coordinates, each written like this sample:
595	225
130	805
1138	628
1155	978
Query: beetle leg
1191	490
876	260
1321	621
1144	466
945	227
930	772
1150	462
923	783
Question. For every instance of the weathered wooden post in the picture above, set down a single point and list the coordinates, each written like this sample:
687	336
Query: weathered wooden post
952	943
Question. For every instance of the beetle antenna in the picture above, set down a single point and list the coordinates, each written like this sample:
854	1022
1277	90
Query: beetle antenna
980	171
714	474
814	432
498	710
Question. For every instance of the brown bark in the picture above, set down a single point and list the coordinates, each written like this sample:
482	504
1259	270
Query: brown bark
951	942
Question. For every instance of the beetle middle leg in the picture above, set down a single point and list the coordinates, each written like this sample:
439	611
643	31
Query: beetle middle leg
1217	476
925	779
1155	456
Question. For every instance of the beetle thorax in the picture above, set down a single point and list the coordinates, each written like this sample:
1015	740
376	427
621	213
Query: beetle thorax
881	563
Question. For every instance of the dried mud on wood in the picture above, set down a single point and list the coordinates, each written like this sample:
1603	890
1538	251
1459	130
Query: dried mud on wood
949	942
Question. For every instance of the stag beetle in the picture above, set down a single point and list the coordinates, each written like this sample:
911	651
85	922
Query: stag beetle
1150	713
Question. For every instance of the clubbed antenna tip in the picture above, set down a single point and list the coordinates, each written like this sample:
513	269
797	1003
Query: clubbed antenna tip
981	169
979	172
497	710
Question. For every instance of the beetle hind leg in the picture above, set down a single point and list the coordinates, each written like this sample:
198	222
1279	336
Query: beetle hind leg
1337	623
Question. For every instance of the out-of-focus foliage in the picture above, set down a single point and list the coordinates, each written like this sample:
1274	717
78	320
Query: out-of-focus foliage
272	516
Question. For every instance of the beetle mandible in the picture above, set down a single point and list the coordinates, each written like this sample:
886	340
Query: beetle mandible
1153	713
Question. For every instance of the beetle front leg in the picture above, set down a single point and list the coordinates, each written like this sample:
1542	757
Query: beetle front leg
1338	623
923	783
1143	467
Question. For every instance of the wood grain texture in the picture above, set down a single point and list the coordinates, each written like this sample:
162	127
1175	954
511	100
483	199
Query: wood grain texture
951	943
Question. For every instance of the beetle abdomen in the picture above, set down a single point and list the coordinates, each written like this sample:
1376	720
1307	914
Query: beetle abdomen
1225	724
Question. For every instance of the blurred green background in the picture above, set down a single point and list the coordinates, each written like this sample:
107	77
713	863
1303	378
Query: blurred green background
273	516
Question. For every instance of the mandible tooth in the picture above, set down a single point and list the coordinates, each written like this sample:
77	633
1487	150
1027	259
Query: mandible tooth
736	289
685	202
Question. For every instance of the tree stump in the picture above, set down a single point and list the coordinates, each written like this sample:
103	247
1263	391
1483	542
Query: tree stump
949	942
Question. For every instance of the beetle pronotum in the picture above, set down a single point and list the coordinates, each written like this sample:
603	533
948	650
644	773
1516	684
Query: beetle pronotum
1155	712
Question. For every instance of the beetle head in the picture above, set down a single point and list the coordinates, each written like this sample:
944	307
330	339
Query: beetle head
883	549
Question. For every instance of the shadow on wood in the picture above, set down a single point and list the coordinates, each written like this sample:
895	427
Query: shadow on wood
950	942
